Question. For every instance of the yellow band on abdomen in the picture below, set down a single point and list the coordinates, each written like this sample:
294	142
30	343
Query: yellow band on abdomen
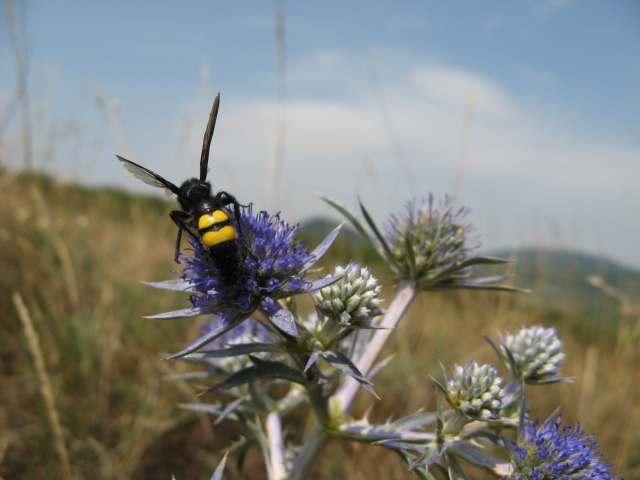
218	236
217	216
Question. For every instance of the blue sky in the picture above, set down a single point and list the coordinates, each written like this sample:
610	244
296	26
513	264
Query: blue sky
529	112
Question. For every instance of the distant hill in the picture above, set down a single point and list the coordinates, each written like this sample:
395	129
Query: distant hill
558	278
319	227
561	278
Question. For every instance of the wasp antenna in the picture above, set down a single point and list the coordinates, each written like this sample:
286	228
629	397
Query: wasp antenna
208	135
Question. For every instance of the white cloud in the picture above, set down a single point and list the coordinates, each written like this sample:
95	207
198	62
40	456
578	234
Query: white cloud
425	107
524	160
453	88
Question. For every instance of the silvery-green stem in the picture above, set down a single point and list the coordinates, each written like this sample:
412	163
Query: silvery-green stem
455	423
405	294
276	449
319	437
523	409
330	329
311	449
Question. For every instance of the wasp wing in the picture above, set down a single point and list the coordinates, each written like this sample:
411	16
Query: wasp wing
148	177
208	135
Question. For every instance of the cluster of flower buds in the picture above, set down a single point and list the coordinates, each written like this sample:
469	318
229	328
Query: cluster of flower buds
351	301
475	391
532	354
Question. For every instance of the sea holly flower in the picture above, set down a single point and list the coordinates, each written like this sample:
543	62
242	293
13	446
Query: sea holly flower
532	354
427	238
347	304
274	268
429	243
548	451
474	391
351	301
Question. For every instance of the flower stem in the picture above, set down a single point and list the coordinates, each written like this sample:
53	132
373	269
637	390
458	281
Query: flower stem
319	436
406	292
276	449
455	423
313	447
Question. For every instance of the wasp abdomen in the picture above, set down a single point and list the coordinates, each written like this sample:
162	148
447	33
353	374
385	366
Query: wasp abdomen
215	228
215	237
219	237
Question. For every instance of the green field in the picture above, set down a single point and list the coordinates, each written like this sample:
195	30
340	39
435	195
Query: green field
75	259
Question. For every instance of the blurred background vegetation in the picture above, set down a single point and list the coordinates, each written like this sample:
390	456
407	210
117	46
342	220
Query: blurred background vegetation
72	260
83	387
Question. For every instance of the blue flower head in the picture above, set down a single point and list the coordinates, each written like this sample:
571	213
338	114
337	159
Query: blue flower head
549	451
274	266
272	270
430	244
427	238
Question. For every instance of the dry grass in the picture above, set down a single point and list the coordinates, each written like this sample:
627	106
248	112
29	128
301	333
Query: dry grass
76	259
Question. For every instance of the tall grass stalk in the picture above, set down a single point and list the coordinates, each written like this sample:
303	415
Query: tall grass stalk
46	389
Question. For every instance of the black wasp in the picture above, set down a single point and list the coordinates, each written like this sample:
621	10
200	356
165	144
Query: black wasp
204	216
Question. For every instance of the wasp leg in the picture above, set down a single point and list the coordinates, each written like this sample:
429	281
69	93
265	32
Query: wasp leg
181	220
